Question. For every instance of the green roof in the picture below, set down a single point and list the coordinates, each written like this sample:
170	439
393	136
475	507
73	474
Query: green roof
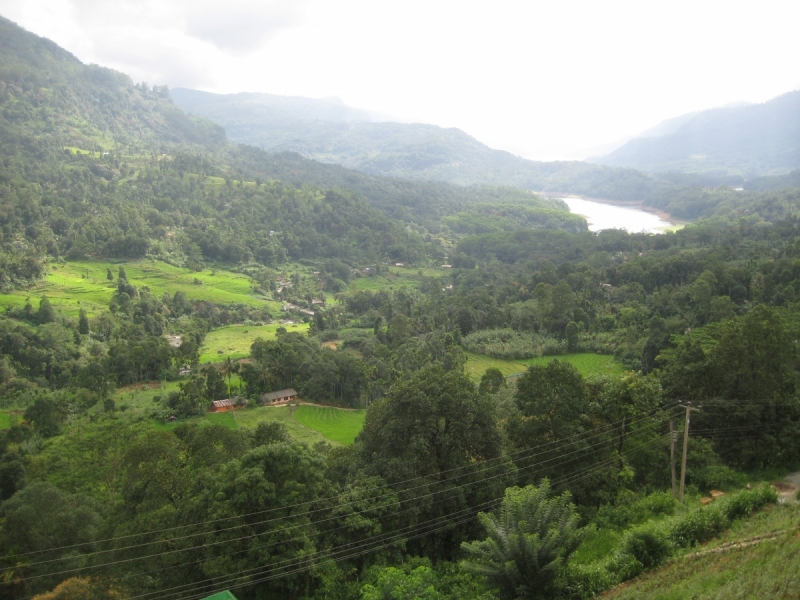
226	595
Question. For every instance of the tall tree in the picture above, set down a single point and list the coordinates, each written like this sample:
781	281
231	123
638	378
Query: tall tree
527	543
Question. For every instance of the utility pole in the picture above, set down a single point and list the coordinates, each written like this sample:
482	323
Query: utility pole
672	455
689	409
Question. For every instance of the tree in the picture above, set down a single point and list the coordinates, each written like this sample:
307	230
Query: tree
215	385
109	274
571	331
492	381
394	584
229	369
83	323
429	424
528	543
122	274
46	416
46	313
82	588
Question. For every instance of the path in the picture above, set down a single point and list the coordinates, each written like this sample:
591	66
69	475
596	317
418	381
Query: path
787	489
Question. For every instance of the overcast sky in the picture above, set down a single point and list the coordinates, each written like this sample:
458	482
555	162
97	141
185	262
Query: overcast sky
545	80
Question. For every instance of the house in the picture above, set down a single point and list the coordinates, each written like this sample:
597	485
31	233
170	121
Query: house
399	264
279	397
221	406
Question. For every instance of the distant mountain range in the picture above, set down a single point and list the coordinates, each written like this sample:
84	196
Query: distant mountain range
331	132
746	140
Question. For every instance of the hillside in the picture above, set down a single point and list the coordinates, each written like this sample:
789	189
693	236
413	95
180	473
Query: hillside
48	94
753	560
752	140
410	151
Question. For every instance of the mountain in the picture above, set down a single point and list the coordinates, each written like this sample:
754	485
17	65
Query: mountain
749	140
354	139
49	95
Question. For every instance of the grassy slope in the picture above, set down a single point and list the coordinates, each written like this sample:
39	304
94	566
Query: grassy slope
335	424
586	362
235	340
76	285
395	277
765	570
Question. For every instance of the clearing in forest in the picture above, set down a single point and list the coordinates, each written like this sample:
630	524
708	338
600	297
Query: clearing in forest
235	340
337	424
586	362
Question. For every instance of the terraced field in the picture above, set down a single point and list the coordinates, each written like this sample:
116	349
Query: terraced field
75	285
395	277
235	340
586	362
335	424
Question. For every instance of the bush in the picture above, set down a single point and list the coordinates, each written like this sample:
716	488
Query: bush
512	345
648	545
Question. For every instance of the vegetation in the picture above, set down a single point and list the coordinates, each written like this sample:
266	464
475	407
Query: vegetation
144	287
341	426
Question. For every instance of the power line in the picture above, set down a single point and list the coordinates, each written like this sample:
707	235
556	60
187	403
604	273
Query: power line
537	467
309	502
560	443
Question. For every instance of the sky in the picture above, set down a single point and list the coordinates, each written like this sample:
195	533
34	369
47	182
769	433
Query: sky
547	80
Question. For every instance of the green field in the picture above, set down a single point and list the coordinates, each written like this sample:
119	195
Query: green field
586	362
75	285
334	423
395	277
235	340
5	420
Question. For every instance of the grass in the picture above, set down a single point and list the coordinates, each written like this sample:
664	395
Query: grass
83	284
235	340
335	424
395	277
252	417
587	364
766	570
5	420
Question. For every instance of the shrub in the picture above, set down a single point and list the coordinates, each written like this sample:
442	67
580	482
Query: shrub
648	545
512	345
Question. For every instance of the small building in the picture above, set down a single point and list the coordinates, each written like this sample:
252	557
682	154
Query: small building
447	266
279	397
222	406
399	264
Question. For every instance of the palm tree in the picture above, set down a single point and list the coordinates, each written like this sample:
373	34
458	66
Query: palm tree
528	543
229	369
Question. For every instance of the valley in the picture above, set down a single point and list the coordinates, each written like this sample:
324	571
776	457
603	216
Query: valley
269	346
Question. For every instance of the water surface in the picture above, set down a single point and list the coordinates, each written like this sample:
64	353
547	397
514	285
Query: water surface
610	216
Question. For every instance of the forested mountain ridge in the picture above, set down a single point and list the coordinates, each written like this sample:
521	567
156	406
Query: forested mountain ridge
47	93
750	141
412	151
96	166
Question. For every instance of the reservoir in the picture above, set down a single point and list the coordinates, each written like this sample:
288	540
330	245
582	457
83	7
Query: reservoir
611	216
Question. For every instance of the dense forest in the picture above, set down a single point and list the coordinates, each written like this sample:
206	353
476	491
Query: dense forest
552	482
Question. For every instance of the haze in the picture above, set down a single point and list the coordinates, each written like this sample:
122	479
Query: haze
545	80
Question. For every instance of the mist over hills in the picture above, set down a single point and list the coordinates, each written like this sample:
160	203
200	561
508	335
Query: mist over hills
354	139
749	141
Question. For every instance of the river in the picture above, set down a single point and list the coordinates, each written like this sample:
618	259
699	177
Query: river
611	216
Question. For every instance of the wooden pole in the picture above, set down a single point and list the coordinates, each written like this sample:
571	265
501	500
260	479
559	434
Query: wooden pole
685	448
672	455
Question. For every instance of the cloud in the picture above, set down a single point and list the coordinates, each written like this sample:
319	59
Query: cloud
237	26
240	26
